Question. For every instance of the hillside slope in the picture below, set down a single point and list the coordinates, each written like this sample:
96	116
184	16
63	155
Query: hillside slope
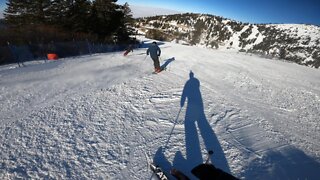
294	42
98	117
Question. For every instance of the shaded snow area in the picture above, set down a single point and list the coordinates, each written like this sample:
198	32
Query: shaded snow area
103	116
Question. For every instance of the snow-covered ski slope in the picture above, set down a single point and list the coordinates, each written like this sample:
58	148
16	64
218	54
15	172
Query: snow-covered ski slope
103	116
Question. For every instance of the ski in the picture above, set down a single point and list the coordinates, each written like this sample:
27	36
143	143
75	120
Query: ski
154	72
158	172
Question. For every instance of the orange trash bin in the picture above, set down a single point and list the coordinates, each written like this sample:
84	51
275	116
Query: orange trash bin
52	56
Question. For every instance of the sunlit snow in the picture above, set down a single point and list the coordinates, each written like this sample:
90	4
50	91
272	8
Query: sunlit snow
103	116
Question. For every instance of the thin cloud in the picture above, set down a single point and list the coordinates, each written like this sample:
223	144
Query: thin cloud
145	11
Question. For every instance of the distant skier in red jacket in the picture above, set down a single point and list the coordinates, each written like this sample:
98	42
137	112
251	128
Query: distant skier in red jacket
130	48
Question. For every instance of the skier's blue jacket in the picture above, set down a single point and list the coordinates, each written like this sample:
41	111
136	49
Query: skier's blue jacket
154	51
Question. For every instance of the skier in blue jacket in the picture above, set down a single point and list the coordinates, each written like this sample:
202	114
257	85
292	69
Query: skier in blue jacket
155	52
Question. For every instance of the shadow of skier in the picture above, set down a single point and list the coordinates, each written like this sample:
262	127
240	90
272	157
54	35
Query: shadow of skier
167	62
195	120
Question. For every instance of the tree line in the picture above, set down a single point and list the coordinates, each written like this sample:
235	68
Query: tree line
43	21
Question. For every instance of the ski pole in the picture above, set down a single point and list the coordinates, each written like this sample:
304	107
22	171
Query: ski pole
172	129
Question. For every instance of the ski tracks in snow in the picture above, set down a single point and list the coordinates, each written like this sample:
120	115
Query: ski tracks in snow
104	131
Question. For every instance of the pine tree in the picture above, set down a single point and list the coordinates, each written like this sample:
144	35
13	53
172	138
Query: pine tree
23	12
77	18
127	14
14	13
57	12
102	18
72	15
105	15
128	20
122	22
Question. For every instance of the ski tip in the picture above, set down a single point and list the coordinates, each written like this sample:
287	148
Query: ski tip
152	166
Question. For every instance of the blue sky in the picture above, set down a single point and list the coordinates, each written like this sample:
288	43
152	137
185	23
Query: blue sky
2	6
253	11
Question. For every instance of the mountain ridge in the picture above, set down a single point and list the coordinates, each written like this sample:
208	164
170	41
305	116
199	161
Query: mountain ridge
299	43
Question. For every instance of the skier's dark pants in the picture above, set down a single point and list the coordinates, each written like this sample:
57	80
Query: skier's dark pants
156	63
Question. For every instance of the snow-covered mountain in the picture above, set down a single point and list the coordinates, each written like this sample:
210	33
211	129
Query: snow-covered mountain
299	43
103	116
